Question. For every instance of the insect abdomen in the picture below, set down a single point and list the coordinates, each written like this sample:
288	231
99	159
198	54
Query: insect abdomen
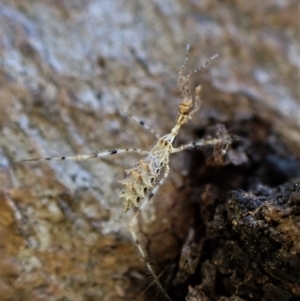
139	182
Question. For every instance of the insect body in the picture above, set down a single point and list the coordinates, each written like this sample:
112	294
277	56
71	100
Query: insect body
146	177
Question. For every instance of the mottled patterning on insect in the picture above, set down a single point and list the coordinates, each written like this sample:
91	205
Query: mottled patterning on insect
139	181
146	177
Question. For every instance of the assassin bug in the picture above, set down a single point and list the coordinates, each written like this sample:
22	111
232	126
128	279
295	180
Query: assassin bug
146	177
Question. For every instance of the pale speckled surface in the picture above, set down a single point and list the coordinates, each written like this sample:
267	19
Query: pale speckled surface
66	69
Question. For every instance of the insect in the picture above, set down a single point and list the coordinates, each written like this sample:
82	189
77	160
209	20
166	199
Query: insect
146	177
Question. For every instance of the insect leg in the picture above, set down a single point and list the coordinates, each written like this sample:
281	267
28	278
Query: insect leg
97	154
137	234
197	144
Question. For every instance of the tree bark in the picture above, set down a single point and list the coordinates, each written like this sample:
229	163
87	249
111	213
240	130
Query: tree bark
69	70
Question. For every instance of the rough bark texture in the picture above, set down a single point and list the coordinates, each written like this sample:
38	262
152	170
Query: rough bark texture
67	71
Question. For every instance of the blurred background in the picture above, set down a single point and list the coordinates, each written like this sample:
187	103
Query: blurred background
68	71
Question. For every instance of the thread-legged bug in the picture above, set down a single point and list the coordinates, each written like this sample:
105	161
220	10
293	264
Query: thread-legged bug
145	178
